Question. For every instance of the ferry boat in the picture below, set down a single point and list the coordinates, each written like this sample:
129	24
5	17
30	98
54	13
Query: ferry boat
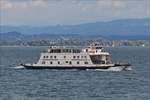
61	57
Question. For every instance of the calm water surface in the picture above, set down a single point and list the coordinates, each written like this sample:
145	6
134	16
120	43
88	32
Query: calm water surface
23	84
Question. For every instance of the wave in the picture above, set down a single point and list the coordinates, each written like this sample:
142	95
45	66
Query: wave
128	69
115	69
19	67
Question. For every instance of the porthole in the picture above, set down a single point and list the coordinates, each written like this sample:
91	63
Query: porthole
43	56
74	56
51	62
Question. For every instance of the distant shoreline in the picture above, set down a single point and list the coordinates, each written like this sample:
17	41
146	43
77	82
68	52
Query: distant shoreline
77	46
20	46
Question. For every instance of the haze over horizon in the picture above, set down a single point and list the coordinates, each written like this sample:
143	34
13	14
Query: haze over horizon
70	12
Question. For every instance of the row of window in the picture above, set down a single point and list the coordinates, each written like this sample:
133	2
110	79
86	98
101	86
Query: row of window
79	56
69	62
65	57
48	56
65	51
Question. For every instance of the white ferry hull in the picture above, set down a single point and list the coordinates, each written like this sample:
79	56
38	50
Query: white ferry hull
75	67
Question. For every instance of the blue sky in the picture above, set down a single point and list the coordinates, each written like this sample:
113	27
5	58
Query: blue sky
66	12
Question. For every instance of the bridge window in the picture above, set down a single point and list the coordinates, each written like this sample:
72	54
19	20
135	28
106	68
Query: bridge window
66	61
77	62
54	56
58	62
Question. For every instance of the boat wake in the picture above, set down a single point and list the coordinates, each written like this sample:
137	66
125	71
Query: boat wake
19	67
115	69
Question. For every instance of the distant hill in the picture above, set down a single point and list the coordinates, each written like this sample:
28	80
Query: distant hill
16	36
124	27
10	36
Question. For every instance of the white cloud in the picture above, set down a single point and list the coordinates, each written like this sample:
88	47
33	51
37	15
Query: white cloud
45	12
9	5
40	3
4	4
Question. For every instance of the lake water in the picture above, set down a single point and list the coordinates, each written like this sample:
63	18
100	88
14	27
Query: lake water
23	84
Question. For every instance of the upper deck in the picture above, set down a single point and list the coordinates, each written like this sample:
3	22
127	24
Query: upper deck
91	50
63	49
